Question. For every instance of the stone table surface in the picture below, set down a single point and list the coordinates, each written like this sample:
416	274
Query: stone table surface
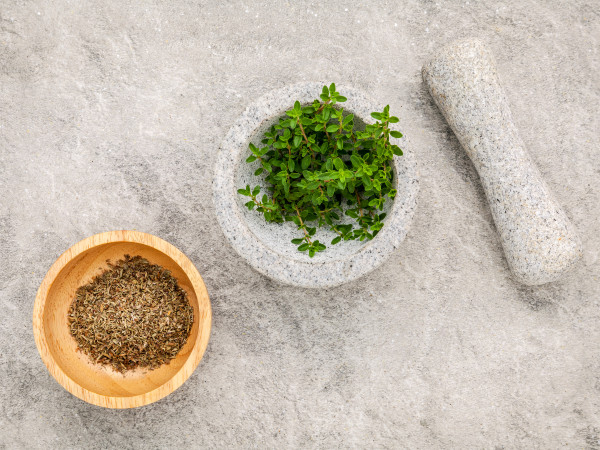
110	118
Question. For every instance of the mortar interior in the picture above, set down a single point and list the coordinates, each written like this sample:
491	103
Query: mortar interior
278	236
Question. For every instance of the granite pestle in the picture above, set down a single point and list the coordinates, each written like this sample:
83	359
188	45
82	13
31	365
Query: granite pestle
539	241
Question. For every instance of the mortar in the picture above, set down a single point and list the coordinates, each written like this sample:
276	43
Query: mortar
266	246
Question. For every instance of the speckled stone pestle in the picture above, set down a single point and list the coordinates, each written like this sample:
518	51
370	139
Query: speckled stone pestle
539	241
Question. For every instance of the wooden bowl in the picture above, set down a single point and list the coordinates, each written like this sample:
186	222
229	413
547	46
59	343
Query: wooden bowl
99	384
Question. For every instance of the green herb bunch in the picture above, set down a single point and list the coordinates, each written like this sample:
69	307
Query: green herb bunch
320	168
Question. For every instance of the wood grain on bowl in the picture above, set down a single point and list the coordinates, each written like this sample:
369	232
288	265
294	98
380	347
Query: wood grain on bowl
95	383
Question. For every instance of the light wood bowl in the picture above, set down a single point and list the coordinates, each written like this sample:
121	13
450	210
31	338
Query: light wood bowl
95	383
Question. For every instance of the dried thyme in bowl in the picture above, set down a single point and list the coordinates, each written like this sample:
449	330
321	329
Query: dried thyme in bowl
133	315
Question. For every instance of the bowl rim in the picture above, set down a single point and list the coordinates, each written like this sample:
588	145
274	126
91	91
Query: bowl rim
179	377
269	262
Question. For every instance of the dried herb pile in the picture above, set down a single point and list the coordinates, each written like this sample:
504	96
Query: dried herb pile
132	315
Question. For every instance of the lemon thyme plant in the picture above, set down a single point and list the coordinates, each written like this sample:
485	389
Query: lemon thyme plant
320	168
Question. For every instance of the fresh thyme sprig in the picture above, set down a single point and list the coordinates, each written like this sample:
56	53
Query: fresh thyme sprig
319	168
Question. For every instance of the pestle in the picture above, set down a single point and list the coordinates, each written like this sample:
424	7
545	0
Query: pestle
539	241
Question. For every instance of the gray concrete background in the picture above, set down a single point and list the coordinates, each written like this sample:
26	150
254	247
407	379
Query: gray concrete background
110	117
